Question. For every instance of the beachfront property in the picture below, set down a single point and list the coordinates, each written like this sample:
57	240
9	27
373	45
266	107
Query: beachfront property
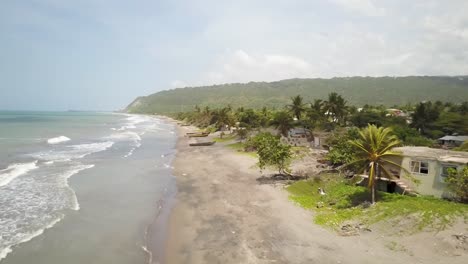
429	167
452	141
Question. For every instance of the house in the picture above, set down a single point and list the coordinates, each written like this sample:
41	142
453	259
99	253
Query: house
429	167
452	141
298	136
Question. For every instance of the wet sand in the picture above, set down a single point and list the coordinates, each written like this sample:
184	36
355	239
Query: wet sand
222	215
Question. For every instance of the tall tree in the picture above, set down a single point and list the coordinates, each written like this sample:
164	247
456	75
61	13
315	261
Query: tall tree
424	115
315	114
297	106
335	108
373	150
283	122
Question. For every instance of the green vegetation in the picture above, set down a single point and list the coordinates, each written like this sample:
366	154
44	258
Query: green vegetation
341	152
271	152
240	148
463	147
225	138
344	202
360	91
373	150
458	183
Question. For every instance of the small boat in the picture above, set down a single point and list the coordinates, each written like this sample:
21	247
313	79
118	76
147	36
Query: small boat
203	134
192	133
209	143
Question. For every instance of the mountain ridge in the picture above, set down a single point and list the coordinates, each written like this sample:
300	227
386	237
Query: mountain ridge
356	90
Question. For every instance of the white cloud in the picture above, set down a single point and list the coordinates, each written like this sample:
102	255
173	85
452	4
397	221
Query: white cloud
366	7
240	66
179	84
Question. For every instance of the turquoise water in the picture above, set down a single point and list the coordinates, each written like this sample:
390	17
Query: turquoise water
77	187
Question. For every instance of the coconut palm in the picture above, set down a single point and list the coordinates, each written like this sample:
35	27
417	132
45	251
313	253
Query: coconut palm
374	151
223	118
297	106
335	108
283	122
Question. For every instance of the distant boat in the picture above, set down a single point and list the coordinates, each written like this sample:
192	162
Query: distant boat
203	134
209	143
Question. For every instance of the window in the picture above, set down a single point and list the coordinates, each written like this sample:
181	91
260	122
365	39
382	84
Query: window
421	167
445	169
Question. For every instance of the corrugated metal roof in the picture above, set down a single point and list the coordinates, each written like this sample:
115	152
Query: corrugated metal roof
434	154
455	138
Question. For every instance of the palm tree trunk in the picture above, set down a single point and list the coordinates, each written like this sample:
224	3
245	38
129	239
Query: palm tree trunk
375	181
373	193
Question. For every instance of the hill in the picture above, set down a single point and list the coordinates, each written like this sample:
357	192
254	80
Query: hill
357	91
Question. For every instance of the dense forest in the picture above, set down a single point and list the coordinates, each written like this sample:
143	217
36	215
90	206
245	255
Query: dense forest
358	91
418	125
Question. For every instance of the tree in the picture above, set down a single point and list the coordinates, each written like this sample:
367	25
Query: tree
271	152
424	115
373	150
315	114
341	152
222	118
297	106
335	108
283	122
457	182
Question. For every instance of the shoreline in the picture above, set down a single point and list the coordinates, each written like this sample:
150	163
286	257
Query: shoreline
221	214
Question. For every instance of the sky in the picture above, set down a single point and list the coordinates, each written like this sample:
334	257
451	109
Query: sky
101	54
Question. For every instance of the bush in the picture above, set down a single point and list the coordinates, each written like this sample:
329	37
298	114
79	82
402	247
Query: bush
458	183
341	152
271	152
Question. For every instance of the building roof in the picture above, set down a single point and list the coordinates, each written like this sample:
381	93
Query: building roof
455	138
434	154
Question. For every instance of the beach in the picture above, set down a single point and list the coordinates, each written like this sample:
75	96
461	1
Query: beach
223	215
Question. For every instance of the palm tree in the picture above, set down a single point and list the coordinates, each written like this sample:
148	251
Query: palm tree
315	113
283	122
335	107
297	106
223	118
374	151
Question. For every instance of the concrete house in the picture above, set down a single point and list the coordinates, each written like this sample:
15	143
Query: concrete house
430	167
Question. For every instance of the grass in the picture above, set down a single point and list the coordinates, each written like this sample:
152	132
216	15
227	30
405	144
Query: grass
239	147
225	138
344	202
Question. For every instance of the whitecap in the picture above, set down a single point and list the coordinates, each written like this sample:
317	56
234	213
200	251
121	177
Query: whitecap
67	175
15	170
27	237
73	151
38	205
57	140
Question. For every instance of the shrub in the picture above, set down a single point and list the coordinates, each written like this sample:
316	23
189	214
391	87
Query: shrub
458	183
271	152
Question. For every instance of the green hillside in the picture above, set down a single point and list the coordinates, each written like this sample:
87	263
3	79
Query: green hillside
356	90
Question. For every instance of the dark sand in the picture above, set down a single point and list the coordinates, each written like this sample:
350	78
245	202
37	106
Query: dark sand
222	215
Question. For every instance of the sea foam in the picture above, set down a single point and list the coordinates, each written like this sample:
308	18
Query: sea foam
45	195
15	170
73	152
57	140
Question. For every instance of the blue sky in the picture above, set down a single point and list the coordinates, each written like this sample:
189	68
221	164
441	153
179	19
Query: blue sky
101	54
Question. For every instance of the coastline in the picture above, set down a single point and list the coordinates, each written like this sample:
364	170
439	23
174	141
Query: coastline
221	214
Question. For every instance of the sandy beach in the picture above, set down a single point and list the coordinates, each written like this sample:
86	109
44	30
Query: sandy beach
223	215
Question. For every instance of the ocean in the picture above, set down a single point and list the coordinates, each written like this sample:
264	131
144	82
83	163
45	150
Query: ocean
82	187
